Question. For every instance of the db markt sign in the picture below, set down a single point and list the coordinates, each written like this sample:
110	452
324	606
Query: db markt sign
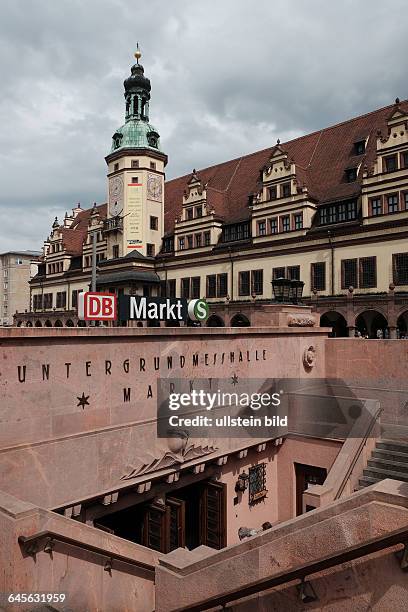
97	306
108	307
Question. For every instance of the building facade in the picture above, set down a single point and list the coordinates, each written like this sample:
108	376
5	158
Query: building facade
17	268
329	208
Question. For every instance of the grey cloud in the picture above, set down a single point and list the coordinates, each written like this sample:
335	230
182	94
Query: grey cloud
228	78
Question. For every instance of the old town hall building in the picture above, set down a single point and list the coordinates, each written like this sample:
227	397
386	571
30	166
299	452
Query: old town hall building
329	208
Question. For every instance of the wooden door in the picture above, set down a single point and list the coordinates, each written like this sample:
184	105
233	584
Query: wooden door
213	513
177	523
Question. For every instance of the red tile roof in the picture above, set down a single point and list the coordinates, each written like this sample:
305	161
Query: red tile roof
321	159
73	237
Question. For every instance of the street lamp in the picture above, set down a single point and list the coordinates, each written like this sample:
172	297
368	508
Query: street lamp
281	289
297	290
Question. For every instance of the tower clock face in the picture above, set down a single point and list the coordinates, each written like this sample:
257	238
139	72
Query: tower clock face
154	187
115	195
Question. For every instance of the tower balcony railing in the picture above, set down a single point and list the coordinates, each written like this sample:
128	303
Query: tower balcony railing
113	225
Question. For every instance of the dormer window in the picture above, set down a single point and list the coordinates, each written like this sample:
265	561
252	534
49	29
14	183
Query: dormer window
117	139
359	147
189	214
199	211
273	193
404	159
390	163
351	175
285	190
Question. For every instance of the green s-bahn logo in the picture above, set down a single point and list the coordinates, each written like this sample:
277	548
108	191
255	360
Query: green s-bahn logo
198	310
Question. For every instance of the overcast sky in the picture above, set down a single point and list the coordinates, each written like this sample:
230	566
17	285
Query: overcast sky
228	77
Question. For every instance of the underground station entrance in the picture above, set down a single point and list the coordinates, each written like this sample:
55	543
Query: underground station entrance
194	515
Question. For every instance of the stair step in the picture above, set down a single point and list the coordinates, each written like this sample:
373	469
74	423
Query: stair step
387	465
393	445
366	481
382	473
382	453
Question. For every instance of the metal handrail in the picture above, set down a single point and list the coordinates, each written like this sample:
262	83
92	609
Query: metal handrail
30	546
399	536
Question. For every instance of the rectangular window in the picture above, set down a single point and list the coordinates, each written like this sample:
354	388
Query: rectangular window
351	210
273	223
115	167
207	238
182	243
211	286
189	214
323	216
392	203
74	298
150	250
257	282
257	483
368	272
294	272
404	159
115	251
400	268
390	163
285	190
189	242
298	221
135	180
198	240
285	223
61	299
406	200
278	273
376	207
171	288
332	214
351	175
199	211
318	276
261	228
152	165
341	212
195	287
185	288
349	273
168	244
222	284
244	283
48	301
19	262
135	163
37	302
154	223
273	193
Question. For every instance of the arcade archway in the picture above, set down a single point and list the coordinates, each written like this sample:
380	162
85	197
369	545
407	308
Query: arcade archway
337	322
369	322
402	325
215	321
240	320
38	324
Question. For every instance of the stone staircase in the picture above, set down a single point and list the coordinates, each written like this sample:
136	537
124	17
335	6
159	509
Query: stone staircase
389	459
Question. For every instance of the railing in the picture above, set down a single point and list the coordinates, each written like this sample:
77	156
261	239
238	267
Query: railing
31	545
400	536
113	224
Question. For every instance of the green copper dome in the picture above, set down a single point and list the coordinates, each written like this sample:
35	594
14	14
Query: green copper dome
137	132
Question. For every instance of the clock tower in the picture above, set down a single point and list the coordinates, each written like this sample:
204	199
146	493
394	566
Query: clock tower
135	175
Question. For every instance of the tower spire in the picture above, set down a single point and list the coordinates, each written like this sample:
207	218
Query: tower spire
138	53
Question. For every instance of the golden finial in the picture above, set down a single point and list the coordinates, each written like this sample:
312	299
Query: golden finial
138	53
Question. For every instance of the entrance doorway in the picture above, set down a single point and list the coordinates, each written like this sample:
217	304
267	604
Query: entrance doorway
190	516
307	475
